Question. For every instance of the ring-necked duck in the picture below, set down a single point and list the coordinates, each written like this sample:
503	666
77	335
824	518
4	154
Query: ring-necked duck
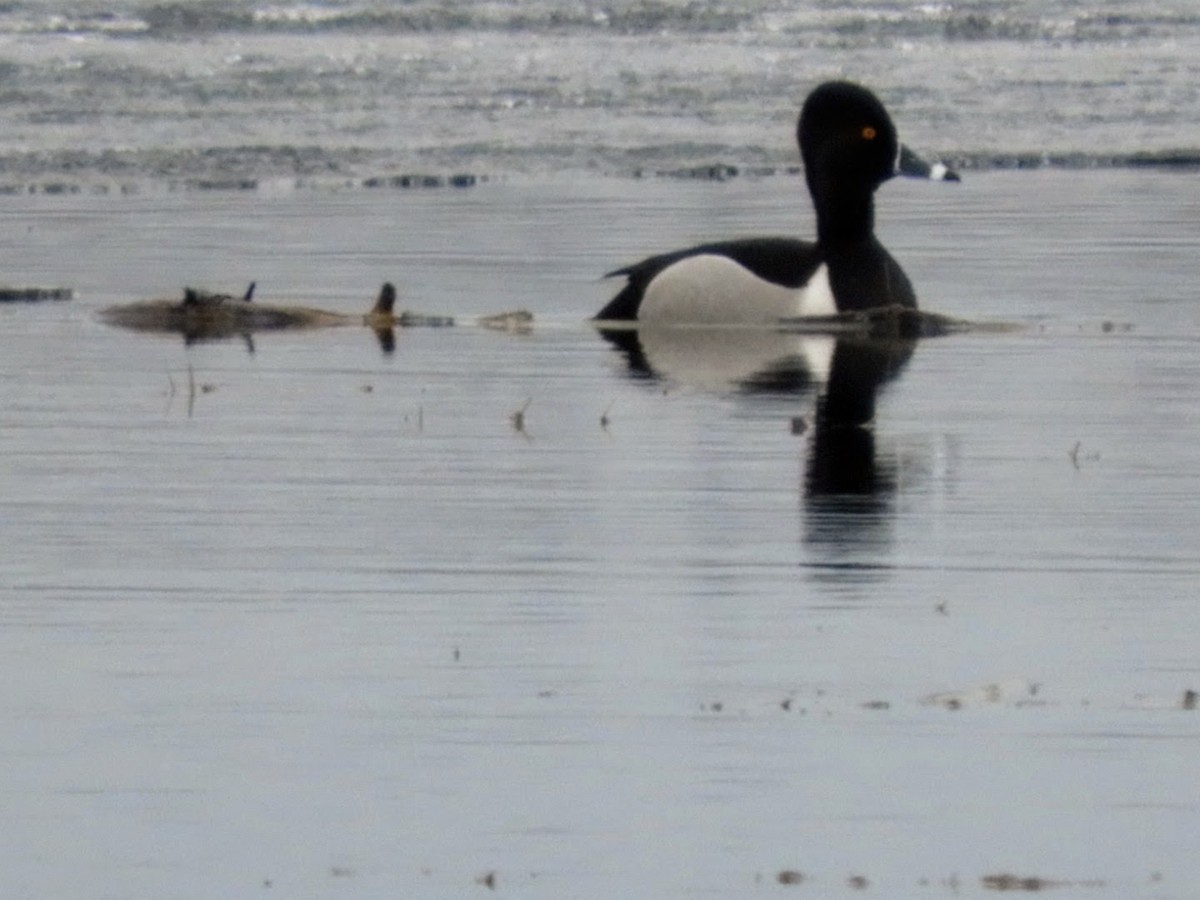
849	147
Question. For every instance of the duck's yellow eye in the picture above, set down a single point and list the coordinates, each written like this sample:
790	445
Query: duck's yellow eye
868	133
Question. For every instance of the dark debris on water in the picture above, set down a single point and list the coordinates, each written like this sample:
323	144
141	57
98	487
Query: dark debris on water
34	294
97	176
236	183
462	180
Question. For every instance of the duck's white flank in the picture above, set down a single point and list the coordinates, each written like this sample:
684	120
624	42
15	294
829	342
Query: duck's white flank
938	172
710	289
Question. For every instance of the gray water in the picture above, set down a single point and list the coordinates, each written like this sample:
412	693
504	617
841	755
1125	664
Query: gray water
293	615
326	623
123	94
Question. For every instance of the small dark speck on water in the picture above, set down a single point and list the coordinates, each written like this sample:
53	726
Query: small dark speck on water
604	420
1075	456
518	418
488	880
790	876
1189	699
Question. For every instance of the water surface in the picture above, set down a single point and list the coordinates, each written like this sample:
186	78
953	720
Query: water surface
116	94
321	620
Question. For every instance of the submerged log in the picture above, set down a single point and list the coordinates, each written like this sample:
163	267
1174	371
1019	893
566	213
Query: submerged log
204	315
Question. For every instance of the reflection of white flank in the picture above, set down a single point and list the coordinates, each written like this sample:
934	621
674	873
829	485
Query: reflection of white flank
720	359
710	289
817	297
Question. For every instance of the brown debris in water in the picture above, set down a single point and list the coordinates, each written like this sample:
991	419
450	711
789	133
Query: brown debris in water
1006	881
790	876
1013	693
204	315
517	321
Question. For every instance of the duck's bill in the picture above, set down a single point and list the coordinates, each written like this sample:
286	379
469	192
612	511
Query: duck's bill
908	163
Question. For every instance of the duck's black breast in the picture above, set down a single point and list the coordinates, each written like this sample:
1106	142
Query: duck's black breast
866	276
786	262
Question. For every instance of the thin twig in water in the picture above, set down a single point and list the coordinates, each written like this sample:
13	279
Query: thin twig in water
518	418
1077	456
170	393
191	391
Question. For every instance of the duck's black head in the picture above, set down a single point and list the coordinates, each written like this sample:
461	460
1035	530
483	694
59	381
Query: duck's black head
847	141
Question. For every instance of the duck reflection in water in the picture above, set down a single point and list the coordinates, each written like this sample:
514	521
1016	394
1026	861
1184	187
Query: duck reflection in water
843	453
848	491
